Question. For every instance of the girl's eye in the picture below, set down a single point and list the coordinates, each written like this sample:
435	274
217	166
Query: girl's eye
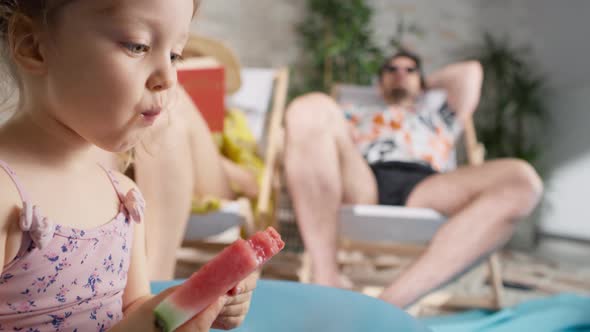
136	48
176	58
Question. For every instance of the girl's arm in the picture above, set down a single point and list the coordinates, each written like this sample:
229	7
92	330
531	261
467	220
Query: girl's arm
142	319
138	303
137	290
5	217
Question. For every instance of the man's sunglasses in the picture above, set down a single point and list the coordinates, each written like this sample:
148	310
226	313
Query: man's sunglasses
396	69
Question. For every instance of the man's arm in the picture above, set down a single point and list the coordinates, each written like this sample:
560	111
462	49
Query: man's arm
462	81
242	181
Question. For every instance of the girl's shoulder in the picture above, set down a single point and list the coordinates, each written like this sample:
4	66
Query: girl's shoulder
10	196
124	182
10	201
130	193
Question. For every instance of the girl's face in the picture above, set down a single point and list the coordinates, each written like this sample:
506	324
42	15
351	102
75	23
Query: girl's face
110	66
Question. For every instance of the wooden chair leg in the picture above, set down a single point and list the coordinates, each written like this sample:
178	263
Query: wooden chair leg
493	302
247	215
496	280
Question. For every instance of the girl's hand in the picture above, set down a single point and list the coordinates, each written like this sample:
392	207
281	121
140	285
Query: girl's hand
142	319
235	310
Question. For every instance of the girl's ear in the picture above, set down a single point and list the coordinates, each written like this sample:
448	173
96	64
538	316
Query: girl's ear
25	46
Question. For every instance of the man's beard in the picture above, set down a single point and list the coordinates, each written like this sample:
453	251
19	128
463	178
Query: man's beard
398	95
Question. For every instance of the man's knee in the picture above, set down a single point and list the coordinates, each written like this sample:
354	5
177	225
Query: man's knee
526	186
310	112
524	176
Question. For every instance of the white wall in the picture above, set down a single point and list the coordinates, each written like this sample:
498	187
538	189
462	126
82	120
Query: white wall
262	32
451	26
560	40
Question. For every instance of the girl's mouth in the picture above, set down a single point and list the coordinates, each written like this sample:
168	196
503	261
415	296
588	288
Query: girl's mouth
151	115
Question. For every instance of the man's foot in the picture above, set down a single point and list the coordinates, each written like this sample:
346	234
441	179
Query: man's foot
337	281
399	299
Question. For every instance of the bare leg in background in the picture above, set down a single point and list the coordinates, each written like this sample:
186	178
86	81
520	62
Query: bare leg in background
484	203
324	169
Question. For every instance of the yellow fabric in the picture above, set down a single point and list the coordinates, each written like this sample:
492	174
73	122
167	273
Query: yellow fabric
218	139
205	205
238	144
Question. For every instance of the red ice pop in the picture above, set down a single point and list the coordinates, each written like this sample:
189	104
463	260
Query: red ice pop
217	277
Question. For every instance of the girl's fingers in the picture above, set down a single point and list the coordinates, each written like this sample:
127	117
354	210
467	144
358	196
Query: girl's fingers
246	285
204	320
239	299
235	310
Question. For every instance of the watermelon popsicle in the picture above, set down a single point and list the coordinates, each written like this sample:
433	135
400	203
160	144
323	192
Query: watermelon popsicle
217	277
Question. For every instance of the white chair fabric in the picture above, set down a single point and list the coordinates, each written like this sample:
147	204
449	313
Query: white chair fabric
200	227
254	97
379	223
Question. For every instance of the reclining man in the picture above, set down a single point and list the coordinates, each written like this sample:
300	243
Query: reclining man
400	154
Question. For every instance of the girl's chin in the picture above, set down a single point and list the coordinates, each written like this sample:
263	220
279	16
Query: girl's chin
121	147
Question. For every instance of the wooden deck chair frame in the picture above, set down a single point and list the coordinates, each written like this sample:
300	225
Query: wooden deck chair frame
239	212
475	156
274	145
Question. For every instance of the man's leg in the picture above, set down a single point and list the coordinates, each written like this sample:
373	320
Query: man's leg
324	169
483	203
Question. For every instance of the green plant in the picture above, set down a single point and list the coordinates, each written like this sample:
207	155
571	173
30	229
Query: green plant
337	43
512	112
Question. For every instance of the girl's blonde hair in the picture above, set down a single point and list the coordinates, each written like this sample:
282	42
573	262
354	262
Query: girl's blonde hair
12	13
40	11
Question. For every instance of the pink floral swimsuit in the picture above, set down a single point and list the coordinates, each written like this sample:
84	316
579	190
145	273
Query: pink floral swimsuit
68	279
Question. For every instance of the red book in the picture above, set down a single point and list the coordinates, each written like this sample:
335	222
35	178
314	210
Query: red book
203	80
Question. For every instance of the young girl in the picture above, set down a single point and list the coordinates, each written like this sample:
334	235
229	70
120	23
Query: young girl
90	74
